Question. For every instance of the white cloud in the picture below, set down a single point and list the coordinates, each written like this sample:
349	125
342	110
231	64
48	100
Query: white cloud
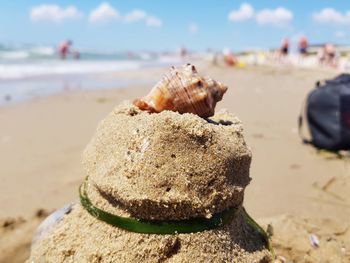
245	12
53	13
153	21
279	16
332	16
134	16
103	13
193	28
340	34
140	15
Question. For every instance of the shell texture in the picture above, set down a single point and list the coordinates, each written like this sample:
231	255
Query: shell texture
185	91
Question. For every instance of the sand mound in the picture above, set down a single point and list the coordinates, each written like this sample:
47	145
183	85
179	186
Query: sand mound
164	166
167	165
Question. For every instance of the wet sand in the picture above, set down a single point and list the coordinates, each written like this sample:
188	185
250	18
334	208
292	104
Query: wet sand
42	141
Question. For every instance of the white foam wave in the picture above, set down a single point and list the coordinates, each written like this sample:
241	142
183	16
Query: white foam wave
14	55
27	53
25	70
47	51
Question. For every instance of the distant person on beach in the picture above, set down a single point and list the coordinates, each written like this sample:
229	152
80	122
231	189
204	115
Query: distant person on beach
327	55
183	52
229	59
280	55
303	45
63	48
284	47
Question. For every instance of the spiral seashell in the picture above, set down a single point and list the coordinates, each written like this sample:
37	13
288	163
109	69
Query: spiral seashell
184	91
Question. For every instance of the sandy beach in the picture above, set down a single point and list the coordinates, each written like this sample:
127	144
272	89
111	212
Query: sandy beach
296	189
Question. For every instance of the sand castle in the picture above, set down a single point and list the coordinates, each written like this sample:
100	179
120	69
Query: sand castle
161	186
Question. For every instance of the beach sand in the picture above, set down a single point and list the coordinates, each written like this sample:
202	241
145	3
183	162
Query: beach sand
296	189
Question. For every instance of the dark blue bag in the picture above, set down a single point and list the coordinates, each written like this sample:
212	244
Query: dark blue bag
327	115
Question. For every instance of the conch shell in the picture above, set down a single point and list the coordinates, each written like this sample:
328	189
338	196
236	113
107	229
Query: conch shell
184	91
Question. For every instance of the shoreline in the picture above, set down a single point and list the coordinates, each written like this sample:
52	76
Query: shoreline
26	89
19	90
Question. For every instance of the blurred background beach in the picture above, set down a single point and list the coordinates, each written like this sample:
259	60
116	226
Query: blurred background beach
51	103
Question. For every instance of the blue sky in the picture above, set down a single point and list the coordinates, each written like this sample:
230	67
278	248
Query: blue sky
165	25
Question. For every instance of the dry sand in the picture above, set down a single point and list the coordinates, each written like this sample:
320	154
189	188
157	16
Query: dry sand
42	141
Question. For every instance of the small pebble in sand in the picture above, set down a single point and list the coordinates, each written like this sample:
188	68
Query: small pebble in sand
280	259
314	241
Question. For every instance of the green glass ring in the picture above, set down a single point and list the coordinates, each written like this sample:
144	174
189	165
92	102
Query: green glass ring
168	227
192	225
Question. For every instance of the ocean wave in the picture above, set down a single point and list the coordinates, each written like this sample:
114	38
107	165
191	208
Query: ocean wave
24	70
33	61
26	53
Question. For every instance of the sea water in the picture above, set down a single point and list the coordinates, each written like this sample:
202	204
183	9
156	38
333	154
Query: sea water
27	72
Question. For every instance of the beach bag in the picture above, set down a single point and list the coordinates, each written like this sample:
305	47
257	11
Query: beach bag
325	118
